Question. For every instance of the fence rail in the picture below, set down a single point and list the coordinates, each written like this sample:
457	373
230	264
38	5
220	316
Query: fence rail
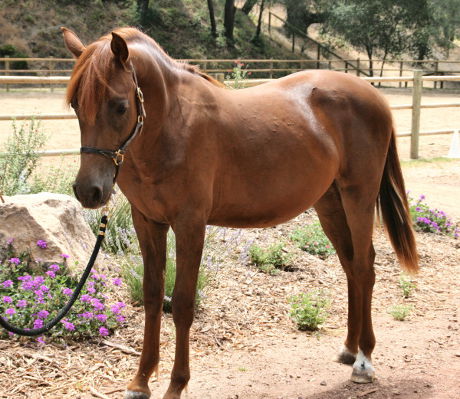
417	79
270	67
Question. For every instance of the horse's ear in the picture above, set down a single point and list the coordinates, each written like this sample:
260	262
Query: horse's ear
72	42
119	48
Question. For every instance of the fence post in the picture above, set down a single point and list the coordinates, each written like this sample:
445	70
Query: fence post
358	67
220	77
436	70
50	73
7	67
318	56
401	69
293	42
416	100
271	70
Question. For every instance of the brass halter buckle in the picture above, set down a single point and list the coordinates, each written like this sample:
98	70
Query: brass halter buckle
118	157
140	95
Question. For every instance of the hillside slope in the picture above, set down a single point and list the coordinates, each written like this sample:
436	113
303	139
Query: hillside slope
180	26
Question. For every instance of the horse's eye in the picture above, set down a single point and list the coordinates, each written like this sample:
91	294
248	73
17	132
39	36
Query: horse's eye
121	109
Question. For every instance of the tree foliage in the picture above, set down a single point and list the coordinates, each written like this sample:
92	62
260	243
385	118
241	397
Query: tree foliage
388	26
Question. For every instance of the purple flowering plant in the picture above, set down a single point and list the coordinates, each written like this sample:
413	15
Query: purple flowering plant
429	220
30	300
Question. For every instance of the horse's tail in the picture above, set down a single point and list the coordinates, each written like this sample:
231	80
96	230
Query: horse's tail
393	205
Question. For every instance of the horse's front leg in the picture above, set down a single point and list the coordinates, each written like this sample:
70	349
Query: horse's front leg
189	247
152	240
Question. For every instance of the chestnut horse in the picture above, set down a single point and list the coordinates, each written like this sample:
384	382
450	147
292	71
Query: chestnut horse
255	157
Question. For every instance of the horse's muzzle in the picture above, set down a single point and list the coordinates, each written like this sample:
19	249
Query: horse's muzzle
92	196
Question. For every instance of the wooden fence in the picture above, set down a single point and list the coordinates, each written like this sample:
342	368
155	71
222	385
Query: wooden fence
268	68
417	80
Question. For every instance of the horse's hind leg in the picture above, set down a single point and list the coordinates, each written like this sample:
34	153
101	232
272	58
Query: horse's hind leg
152	239
348	222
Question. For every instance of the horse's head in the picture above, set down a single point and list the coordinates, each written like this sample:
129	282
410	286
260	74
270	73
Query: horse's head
103	93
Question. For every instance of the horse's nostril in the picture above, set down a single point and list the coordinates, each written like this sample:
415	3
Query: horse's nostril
96	194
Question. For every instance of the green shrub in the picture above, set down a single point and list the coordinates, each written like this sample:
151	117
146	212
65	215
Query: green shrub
133	274
30	300
406	285
57	179
312	239
400	312
238	74
132	271
120	233
269	260
308	310
170	277
431	220
20	157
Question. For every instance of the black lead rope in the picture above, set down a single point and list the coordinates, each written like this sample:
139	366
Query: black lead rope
48	326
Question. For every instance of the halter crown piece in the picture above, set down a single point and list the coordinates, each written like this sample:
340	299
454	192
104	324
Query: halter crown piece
118	156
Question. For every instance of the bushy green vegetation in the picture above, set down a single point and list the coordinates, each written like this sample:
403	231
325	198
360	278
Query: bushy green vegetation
400	312
120	230
269	260
407	286
309	310
431	220
21	157
312	239
132	271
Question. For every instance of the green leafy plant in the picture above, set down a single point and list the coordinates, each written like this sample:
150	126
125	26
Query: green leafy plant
120	232
431	220
400	312
57	179
20	158
406	285
132	270
312	239
238	75
269	260
29	299
170	277
309	310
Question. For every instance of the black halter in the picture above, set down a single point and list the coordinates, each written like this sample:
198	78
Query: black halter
118	156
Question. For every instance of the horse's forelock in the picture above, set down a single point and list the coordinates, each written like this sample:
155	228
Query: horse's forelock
89	85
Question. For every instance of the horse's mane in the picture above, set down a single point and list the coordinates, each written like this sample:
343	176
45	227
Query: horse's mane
89	86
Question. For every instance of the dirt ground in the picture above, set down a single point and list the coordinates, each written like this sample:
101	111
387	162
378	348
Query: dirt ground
244	345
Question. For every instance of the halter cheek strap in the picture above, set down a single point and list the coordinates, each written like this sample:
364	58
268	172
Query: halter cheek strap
118	156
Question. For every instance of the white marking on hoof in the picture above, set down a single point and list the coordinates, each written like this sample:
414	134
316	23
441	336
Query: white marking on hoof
136	395
345	356
363	371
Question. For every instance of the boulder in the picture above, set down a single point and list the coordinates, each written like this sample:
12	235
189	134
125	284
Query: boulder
55	219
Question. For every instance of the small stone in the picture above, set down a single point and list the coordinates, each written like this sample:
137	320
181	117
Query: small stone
323	383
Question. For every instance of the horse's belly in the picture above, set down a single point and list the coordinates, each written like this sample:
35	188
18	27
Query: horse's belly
270	203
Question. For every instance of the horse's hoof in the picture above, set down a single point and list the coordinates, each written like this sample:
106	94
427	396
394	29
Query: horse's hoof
136	395
363	371
345	356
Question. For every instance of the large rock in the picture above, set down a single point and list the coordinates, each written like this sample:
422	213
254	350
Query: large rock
56	219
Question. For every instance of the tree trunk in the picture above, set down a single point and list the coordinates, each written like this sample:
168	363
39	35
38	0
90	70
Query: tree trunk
248	6
142	8
212	18
229	20
259	22
371	62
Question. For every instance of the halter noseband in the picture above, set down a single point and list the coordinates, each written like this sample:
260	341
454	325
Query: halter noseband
118	156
